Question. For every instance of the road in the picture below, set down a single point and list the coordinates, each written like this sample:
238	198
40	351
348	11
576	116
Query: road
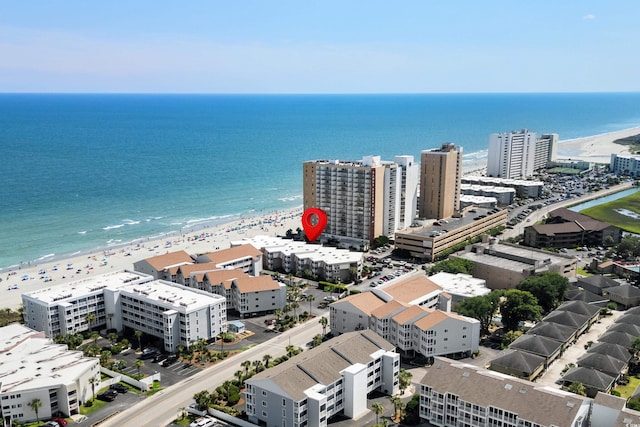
163	407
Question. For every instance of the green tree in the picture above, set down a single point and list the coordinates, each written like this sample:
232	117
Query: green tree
290	350
483	308
453	266
138	364
105	356
378	409
246	365
94	337
138	334
577	388
510	337
35	405
518	306
203	399
629	247
266	358
90	318
404	379
311	299
317	340
93	381
635	345
113	337
548	287
324	322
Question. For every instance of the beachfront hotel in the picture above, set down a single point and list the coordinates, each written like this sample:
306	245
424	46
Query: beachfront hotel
334	378
176	314
518	154
33	367
440	174
362	199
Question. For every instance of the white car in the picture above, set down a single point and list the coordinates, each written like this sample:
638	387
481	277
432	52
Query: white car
203	422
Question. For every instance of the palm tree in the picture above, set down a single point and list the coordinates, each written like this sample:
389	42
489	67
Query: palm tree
238	375
203	399
266	358
290	350
227	386
324	322
90	318
404	378
95	336
138	334
378	409
105	356
35	405
310	298
317	340
396	404
93	381
113	337
246	365
139	364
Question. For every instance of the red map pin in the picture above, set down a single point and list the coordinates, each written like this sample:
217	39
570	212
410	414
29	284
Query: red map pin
314	221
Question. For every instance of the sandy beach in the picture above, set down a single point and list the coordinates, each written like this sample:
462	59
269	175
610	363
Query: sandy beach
596	148
79	267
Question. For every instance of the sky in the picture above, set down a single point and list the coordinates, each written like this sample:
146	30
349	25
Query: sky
309	46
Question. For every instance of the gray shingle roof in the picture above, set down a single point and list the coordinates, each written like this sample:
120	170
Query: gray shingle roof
615	337
516	360
542	405
615	350
589	377
602	362
579	307
567	318
554	331
322	364
535	344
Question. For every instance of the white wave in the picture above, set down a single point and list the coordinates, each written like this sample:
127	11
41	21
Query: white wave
290	198
131	222
82	232
175	223
111	227
42	258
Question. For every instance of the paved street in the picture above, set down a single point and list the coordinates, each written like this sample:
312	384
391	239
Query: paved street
163	407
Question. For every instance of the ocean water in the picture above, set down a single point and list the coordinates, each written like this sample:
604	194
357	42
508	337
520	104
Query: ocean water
82	172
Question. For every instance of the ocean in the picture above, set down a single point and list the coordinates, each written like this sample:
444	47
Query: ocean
86	172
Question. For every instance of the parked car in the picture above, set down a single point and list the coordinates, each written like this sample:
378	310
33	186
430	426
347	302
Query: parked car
61	421
120	388
149	353
203	422
108	396
170	360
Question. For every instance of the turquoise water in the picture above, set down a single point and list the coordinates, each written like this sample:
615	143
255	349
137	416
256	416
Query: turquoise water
81	172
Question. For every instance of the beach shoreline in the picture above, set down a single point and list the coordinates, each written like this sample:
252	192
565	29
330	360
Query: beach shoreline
595	148
79	266
37	274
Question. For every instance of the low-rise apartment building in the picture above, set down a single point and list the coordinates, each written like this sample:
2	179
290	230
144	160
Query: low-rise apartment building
427	242
157	266
406	315
333	378
455	394
325	263
253	296
33	367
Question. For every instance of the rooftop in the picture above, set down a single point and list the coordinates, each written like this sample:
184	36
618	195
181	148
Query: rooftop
442	226
172	296
460	284
28	360
234	253
303	250
95	284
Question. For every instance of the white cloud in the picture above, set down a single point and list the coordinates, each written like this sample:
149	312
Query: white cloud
589	17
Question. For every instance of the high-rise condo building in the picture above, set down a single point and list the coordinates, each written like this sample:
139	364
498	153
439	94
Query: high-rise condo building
409	178
362	199
517	154
440	174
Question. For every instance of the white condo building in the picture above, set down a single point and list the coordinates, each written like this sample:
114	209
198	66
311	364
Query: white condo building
33	367
628	164
409	180
174	313
362	199
333	378
517	154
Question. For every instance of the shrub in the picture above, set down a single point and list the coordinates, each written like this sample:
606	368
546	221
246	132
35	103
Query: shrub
234	397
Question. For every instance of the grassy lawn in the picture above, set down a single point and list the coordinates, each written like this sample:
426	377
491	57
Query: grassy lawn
626	390
97	404
606	213
581	271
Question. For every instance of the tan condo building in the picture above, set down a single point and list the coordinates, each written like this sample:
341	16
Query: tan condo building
440	174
